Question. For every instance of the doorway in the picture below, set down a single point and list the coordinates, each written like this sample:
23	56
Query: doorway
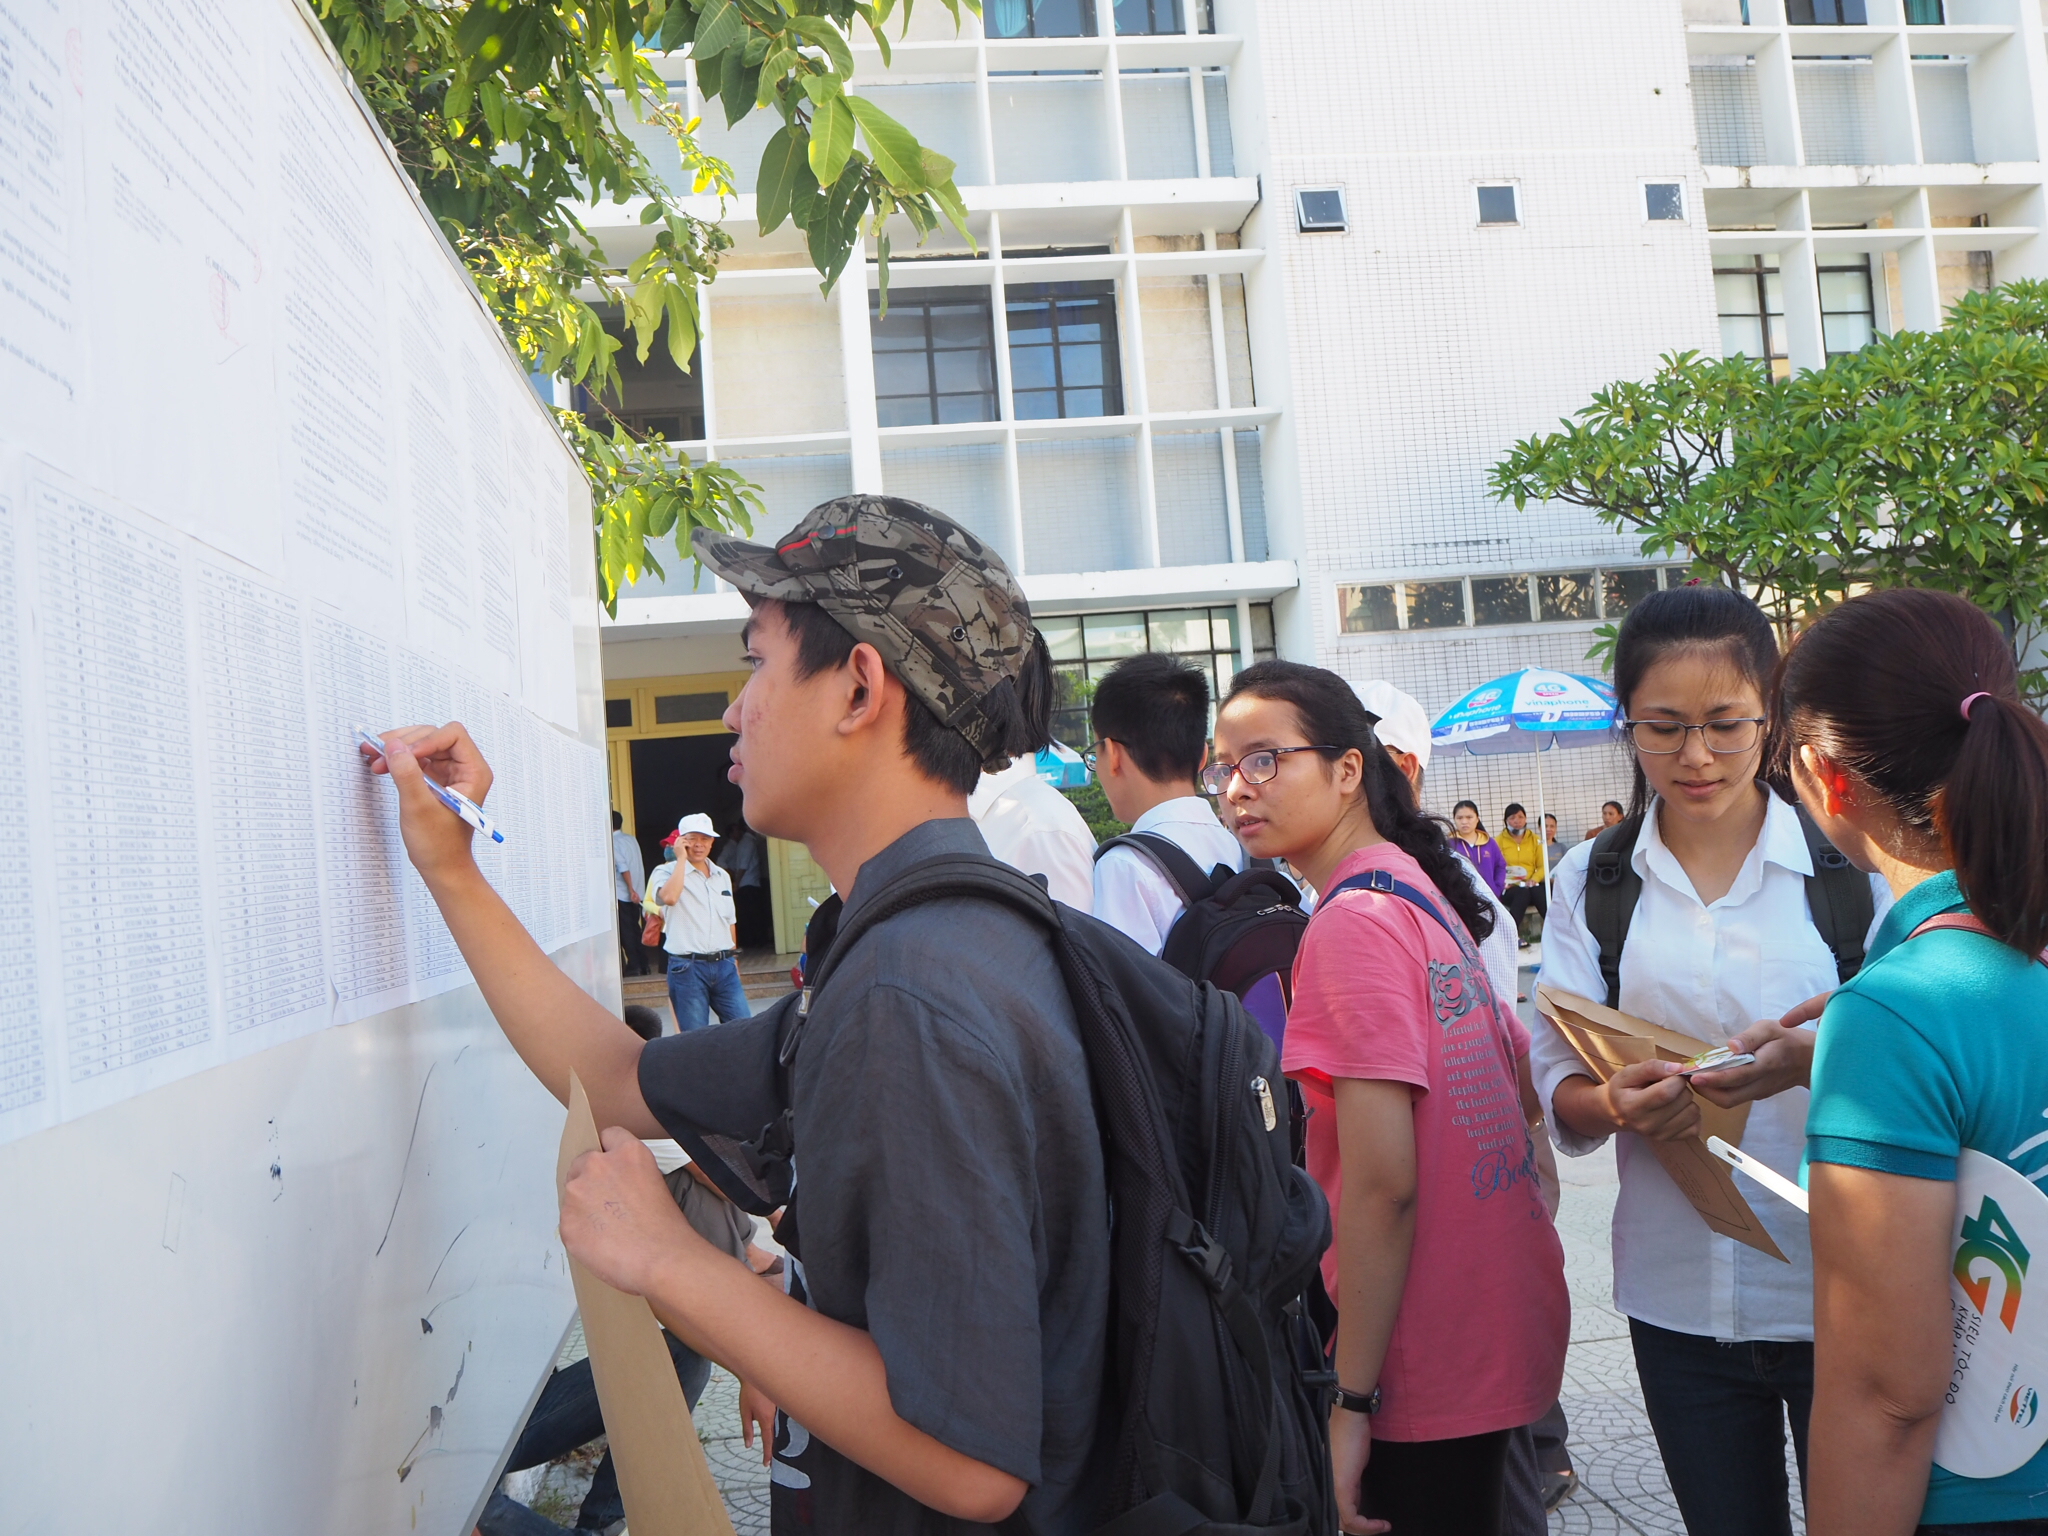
674	776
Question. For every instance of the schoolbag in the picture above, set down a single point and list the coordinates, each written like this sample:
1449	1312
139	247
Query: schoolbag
1837	892
1219	1387
1236	927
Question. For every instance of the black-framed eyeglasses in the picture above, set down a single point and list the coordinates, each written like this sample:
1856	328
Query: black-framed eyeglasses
1092	751
1661	737
1257	767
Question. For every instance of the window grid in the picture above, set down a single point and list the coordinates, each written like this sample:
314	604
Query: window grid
1550	597
1063	351
1749	293
1085	646
1848	312
934	357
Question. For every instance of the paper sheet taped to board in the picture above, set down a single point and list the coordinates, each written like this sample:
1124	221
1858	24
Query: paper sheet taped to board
268	473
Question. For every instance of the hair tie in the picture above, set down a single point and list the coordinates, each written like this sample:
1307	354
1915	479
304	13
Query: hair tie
1965	706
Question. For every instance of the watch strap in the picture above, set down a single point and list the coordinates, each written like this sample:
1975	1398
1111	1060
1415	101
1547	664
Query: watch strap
1358	1402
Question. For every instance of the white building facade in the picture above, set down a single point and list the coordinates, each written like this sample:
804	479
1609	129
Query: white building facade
1264	287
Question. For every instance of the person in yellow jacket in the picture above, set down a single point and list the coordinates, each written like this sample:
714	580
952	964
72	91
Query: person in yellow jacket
1528	870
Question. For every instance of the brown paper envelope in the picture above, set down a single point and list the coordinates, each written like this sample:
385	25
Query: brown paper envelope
663	1475
1607	1040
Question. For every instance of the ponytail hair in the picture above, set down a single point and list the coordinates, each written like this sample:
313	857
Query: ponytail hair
1330	714
1915	693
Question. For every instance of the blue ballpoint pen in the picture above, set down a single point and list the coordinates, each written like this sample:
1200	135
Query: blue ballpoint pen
454	799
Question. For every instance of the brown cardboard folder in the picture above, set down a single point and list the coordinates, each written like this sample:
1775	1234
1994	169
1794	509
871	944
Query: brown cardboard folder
1607	1040
663	1475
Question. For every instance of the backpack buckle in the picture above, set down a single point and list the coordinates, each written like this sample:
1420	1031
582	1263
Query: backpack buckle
1210	1258
1607	868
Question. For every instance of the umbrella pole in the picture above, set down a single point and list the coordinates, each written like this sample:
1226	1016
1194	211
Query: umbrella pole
1542	835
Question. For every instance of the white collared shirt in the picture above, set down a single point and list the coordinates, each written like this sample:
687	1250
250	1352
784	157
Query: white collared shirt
626	859
1032	827
700	922
1708	972
1132	893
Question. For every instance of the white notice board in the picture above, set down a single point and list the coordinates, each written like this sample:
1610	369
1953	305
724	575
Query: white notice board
267	473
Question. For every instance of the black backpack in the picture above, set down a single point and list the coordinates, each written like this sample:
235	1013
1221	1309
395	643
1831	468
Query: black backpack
1837	892
1236	928
1220	1390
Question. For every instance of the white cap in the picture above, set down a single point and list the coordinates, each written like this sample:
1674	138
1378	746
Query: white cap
697	821
1402	724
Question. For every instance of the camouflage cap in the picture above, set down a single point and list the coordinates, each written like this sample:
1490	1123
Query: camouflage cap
940	605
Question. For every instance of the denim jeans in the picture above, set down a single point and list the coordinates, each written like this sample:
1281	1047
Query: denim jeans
696	987
1719	1413
565	1417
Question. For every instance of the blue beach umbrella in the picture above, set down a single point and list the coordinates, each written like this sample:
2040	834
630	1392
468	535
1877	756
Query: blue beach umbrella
1528	711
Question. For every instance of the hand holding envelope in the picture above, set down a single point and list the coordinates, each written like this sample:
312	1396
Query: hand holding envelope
1608	1040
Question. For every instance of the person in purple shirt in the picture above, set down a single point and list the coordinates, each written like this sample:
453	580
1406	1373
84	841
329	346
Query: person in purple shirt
1482	850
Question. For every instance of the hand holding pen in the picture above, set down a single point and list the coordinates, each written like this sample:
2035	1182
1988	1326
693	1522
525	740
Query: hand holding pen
430	767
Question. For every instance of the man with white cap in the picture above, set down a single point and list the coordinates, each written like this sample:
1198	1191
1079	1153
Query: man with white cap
1539	1473
700	931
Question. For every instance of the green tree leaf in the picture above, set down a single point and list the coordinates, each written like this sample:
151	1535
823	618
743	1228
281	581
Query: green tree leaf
719	26
891	145
831	139
786	151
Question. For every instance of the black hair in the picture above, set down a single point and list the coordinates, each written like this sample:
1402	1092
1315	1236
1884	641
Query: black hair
1467	805
643	1021
1157	707
618	821
1604	804
1698	616
1515	808
1878	686
1331	714
938	751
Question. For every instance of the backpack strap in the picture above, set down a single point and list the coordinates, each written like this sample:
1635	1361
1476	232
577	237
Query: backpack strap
1612	890
1966	922
1170	859
1380	880
1838	894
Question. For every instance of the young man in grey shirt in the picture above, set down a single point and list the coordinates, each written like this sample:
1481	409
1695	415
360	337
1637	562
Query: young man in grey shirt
939	1361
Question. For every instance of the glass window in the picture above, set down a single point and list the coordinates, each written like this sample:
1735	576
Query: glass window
935	357
1497	206
1622	590
1062	636
1040	18
654	397
1676	576
1366	610
1848	318
1499	600
1086	647
1565	596
688	708
618	714
1319	210
1665	199
1435	604
1750	294
1924	13
1185	629
1113	634
1826	13
1146	18
1063	350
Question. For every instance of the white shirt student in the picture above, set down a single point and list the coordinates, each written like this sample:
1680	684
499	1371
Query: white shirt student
1708	972
629	870
1150	715
1032	827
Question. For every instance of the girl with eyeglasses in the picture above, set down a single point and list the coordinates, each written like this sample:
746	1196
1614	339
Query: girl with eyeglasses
1908	741
1721	936
1446	1271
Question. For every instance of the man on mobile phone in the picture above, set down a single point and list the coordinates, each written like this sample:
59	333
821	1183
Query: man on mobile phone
939	1360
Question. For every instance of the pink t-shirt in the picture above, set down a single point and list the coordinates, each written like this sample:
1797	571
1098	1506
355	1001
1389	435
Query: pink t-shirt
1381	991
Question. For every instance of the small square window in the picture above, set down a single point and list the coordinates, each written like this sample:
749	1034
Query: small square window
1664	200
1436	604
1624	589
1566	596
1320	211
1497	206
618	714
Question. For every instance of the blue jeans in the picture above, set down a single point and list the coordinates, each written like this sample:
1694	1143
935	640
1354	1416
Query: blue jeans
1719	1413
695	987
567	1416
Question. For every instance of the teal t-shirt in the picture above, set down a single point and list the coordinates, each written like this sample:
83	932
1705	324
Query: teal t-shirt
1937	1047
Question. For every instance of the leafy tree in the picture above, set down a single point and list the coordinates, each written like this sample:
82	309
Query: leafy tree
1921	459
509	114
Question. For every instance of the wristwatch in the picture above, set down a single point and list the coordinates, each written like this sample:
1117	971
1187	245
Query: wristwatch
1359	1402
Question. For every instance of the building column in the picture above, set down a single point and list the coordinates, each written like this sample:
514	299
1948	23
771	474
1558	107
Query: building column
856	349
